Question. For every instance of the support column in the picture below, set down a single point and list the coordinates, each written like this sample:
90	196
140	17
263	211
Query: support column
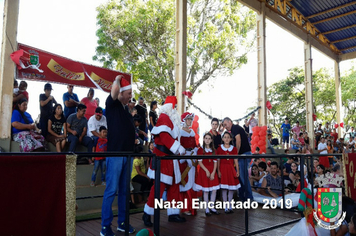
339	114
181	53
261	60
7	68
309	92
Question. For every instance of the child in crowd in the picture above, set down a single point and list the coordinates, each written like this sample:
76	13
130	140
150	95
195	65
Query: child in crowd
138	173
330	151
16	88
207	178
229	176
257	179
100	162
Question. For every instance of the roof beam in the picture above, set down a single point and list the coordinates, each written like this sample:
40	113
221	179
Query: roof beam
336	30
292	27
344	49
330	10
334	17
341	40
347	56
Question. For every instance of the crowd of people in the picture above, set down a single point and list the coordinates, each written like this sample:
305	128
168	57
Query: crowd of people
125	126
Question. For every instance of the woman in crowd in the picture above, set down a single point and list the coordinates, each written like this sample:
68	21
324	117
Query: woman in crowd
153	115
23	129
215	132
57	124
294	169
295	144
90	103
254	173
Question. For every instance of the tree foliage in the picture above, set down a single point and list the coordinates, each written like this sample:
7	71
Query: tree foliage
288	98
138	36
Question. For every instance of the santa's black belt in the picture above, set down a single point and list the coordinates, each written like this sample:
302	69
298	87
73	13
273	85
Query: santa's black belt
164	149
189	149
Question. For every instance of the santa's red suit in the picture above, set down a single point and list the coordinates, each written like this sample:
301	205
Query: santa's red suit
187	140
166	134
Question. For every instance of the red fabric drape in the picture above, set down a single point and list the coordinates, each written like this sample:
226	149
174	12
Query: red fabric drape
33	195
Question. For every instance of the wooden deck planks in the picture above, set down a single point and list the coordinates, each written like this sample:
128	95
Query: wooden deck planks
223	224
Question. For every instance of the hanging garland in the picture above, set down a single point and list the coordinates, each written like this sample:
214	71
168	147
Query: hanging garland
210	117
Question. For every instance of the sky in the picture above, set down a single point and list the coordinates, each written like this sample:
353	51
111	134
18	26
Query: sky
68	28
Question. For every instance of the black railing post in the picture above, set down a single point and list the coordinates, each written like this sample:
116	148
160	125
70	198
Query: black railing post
128	180
302	161
282	175
312	178
245	177
157	161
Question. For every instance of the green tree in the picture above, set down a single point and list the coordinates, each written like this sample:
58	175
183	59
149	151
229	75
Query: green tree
288	98
138	37
348	91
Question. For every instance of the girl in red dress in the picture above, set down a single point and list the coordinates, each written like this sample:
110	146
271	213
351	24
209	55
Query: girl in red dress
207	178
228	170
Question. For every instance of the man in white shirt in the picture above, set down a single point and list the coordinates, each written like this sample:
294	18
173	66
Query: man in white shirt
322	147
252	122
94	124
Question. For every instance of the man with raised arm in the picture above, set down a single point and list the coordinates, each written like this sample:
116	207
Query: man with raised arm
121	138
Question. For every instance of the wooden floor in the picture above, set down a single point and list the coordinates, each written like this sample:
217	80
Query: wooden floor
232	224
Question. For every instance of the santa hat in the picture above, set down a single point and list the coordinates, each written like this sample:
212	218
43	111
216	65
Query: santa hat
125	84
187	115
172	100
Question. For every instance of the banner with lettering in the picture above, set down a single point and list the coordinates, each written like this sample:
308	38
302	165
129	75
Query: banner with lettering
36	64
350	175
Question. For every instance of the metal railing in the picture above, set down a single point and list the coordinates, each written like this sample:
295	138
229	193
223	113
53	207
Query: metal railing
157	164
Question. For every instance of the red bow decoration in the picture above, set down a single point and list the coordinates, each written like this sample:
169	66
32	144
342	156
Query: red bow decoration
341	125
188	94
314	117
268	105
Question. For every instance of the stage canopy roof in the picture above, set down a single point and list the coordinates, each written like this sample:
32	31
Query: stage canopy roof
331	23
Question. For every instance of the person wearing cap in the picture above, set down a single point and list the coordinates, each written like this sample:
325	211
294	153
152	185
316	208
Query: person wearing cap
90	103
95	122
132	105
121	138
187	166
285	133
166	134
70	101
47	102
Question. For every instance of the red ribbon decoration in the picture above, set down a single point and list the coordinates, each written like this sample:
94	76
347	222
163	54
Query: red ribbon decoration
188	94
268	105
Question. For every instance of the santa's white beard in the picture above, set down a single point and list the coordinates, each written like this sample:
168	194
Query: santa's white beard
173	115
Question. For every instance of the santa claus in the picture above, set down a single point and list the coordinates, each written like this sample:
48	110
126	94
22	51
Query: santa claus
166	135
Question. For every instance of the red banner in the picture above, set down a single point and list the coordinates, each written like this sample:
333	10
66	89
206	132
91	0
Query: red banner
35	64
350	175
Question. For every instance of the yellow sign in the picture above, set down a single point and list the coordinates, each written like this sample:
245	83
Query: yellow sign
105	84
63	72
